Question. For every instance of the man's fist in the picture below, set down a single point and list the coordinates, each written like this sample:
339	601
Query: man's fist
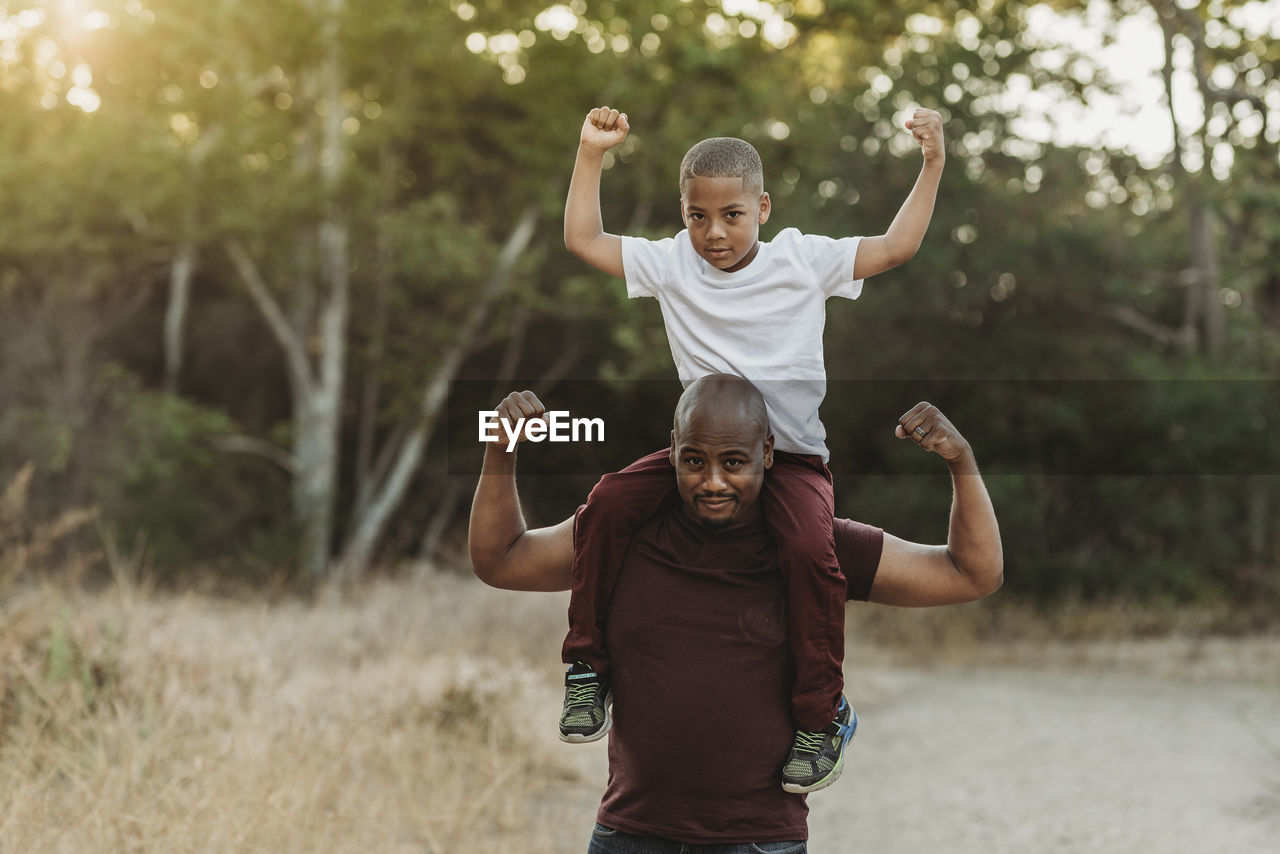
604	128
516	411
926	127
932	431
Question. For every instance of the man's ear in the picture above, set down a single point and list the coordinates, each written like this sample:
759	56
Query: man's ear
768	452
672	455
765	207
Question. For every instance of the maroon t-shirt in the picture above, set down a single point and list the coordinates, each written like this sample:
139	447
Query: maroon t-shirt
702	677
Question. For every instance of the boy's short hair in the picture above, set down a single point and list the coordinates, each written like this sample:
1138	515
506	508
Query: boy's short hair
723	157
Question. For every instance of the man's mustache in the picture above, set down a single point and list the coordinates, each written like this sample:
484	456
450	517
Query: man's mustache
714	496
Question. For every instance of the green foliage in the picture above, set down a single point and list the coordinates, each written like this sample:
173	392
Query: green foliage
1043	264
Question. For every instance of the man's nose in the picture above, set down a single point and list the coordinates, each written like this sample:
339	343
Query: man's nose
715	480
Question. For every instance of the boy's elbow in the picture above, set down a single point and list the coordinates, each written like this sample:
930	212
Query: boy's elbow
576	245
902	254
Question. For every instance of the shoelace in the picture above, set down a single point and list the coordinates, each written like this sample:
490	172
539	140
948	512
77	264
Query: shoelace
582	695
809	742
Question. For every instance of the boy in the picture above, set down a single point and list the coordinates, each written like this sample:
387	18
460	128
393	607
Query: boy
732	304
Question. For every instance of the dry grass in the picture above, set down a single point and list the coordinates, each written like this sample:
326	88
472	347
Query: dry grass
408	717
134	721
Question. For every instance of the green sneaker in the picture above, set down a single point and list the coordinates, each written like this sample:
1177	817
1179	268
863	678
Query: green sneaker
817	758
586	705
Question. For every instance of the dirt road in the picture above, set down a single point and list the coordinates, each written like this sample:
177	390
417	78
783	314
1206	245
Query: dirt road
975	759
1049	760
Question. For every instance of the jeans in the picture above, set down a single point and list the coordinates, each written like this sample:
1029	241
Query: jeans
606	840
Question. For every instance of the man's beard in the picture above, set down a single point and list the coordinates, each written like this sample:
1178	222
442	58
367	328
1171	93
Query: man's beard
716	525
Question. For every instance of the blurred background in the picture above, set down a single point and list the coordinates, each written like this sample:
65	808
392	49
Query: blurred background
260	261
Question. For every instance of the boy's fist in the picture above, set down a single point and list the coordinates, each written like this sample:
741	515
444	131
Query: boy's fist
926	127
604	128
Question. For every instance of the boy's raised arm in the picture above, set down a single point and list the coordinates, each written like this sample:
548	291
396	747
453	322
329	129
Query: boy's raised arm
584	233
899	244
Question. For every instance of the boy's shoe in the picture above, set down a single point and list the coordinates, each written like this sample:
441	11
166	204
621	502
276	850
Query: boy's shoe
586	705
817	758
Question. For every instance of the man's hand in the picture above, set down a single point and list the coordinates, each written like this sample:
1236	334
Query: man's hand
926	127
932	431
604	128
520	407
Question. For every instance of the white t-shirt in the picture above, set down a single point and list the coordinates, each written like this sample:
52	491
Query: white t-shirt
763	322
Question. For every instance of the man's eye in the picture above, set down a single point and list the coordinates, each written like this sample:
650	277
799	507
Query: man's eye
732	464
734	214
692	461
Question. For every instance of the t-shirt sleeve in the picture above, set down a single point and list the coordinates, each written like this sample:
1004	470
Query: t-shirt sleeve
858	548
831	261
645	264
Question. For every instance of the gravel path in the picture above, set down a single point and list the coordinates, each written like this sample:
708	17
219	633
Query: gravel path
993	759
1047	759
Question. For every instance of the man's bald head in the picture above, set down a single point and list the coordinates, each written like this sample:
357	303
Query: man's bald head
725	399
720	448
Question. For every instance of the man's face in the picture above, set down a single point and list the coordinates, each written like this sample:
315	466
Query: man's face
720	465
724	219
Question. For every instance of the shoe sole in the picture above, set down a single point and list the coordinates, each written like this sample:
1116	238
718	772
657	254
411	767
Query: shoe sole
579	738
797	789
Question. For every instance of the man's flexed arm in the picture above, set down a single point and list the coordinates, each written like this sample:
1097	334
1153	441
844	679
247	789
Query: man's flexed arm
971	564
504	552
898	245
584	233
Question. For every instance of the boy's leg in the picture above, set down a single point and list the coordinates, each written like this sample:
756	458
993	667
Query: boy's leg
799	504
616	507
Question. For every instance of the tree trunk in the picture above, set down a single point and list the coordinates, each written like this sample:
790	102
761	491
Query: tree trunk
313	332
368	528
181	272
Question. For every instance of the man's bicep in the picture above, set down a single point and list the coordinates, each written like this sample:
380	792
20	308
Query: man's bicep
539	560
913	575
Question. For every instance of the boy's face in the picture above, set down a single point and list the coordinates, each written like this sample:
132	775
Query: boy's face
724	218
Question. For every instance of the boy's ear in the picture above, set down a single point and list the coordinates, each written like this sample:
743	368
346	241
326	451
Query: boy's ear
684	215
765	207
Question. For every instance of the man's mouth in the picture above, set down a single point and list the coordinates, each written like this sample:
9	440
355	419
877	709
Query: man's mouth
716	503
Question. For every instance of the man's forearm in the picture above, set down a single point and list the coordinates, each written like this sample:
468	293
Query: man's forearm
496	518
583	221
906	232
973	538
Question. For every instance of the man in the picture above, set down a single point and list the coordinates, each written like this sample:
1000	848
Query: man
697	622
